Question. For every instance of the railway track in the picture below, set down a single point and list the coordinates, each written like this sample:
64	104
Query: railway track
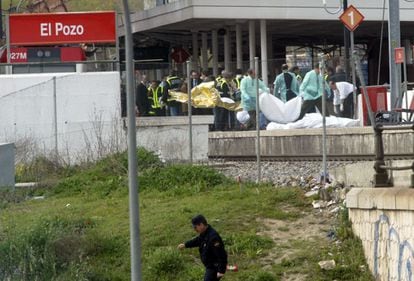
309	158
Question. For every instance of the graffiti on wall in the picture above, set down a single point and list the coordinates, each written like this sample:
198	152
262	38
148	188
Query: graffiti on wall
387	237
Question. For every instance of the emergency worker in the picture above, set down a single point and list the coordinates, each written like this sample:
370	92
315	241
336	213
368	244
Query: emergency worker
141	96
224	119
311	91
211	248
155	92
172	82
343	98
286	85
248	96
295	70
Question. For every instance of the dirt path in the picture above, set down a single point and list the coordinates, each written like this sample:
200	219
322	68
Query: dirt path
313	226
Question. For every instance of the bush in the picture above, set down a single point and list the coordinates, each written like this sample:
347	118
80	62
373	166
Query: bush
107	175
44	251
181	177
165	264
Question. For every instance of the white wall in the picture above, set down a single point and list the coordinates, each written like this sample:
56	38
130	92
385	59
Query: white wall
87	107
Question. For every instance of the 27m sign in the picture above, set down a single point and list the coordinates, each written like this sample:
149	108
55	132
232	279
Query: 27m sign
62	28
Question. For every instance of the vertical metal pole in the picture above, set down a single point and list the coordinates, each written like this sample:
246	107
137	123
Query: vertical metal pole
117	64
132	155
405	82
357	64
394	41
8	67
1	21
55	126
346	44
354	94
324	165
190	116
256	71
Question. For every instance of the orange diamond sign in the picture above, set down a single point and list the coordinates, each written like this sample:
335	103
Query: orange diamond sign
351	18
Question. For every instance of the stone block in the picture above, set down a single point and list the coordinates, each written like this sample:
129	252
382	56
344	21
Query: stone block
7	165
404	199
386	200
352	198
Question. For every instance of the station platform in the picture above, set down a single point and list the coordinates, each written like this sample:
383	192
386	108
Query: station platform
355	143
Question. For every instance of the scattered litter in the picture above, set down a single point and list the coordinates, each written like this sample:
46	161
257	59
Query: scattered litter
311	193
67	205
335	210
330	203
327	265
38	197
319	204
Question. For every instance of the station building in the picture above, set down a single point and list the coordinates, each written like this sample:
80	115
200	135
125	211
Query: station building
229	34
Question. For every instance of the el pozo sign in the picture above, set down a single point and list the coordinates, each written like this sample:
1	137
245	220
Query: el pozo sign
62	28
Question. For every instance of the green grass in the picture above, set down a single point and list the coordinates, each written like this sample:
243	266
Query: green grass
81	230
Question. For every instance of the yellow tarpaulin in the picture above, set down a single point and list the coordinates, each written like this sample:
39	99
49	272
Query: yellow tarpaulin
205	95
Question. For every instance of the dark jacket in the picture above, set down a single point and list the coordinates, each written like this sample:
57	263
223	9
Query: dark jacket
211	248
171	83
141	100
224	88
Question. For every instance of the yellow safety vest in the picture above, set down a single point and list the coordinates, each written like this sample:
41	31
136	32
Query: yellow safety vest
154	96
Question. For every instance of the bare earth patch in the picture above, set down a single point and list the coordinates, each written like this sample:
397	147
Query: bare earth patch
314	225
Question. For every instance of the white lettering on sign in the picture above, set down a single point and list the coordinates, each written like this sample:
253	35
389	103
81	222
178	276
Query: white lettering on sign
58	29
18	56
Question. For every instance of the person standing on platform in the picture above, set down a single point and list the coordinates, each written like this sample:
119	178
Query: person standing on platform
311	90
295	70
172	82
286	85
155	95
224	119
141	97
248	96
343	98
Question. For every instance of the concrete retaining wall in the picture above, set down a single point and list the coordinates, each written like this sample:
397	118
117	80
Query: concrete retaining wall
169	136
383	218
308	142
361	174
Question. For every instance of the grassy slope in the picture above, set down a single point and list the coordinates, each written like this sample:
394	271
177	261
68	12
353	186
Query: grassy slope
81	231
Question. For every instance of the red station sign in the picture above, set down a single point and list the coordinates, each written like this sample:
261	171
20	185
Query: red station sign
62	28
399	55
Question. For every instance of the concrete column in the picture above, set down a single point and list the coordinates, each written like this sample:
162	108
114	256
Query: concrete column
263	45
204	48
195	50
239	51
252	43
227	52
270	55
214	42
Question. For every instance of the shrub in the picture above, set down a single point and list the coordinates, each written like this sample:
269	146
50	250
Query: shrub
165	263
182	176
42	252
